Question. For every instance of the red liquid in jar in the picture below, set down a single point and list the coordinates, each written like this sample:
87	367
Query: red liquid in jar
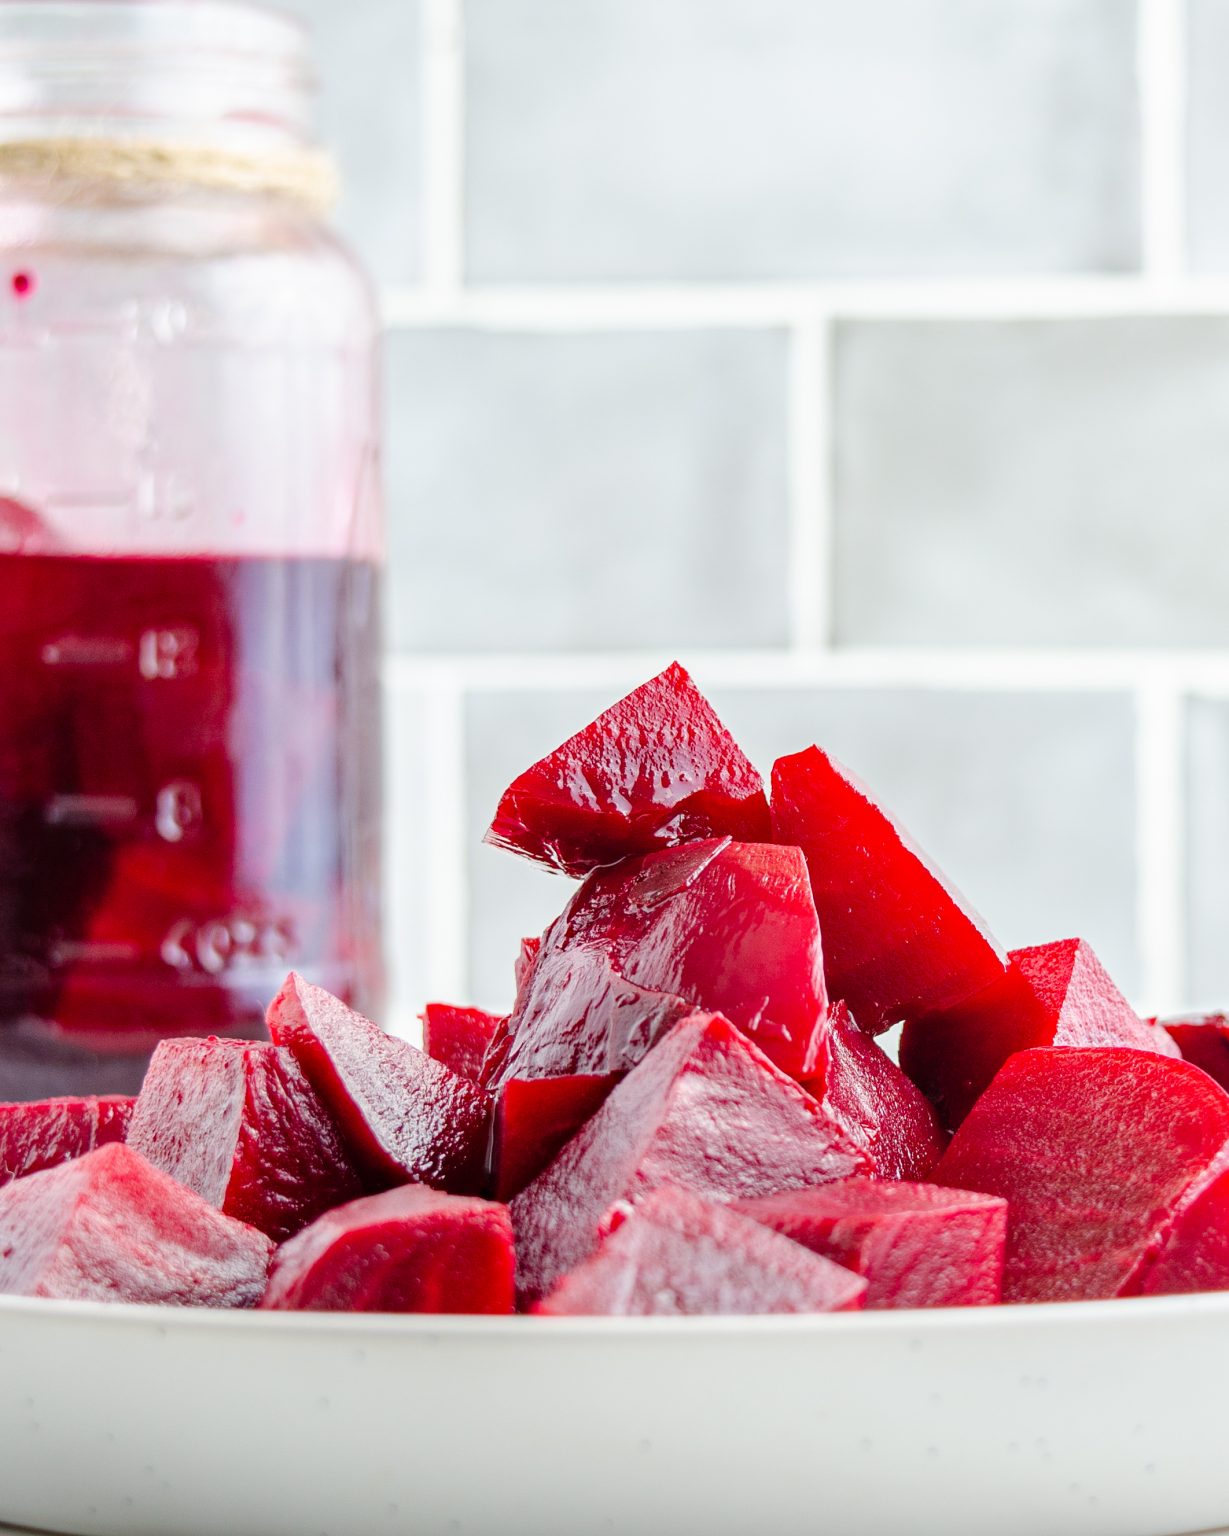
189	792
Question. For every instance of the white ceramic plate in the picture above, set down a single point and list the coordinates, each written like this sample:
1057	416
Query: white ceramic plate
1104	1418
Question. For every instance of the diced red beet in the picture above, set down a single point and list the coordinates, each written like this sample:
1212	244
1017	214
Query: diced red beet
51	1131
883	1112
458	1037
706	1111
1203	1039
917	1245
729	927
1096	1151
110	1227
677	1255
526	959
1194	1252
1050	995
534	1117
238	1122
899	941
656	769
410	1249
409	1118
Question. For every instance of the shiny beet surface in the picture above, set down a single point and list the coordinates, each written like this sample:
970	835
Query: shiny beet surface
706	1111
1096	1151
410	1249
409	1119
917	1245
676	1255
458	1038
240	1124
534	1117
1203	1040
656	769
109	1227
39	1135
898	939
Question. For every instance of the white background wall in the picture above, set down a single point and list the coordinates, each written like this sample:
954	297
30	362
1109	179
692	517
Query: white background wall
874	360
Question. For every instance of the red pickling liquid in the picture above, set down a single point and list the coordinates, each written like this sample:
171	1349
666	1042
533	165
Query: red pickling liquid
189	791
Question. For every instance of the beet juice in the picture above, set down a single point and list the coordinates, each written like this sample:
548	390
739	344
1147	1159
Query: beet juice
188	751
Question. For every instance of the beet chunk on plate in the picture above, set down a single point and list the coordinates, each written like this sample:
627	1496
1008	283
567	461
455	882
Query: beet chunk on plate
47	1132
410	1249
534	1118
915	1244
728	927
885	1114
410	1119
656	769
1203	1040
1051	995
676	1255
899	941
1097	1151
110	1227
458	1038
705	1111
239	1123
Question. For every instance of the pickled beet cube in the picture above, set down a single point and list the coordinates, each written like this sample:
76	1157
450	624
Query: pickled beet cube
1203	1040
1050	995
1096	1151
410	1119
239	1123
706	1111
677	1255
1194	1253
916	1245
410	1249
534	1118
656	769
108	1226
883	1112
727	927
51	1131
899	941
458	1038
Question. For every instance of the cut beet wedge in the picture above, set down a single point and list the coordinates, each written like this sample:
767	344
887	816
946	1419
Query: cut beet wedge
676	1255
1203	1040
1096	1151
1050	995
110	1227
656	769
899	941
48	1132
915	1244
458	1038
534	1118
705	1111
884	1113
726	927
411	1249
410	1119
1194	1253
239	1123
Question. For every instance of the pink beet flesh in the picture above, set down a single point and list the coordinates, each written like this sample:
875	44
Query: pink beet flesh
727	927
706	1111
1095	1151
1204	1041
110	1227
915	1244
240	1124
408	1117
898	940
458	1038
677	1255
1194	1253
51	1131
1052	994
410	1249
866	1092
656	769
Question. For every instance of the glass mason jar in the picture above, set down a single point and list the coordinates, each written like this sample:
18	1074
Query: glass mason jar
190	542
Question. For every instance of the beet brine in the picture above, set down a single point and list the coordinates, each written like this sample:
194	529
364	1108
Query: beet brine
189	800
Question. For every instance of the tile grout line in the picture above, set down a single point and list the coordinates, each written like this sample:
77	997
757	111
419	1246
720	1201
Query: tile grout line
1161	69
446	971
443	128
1160	833
809	576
